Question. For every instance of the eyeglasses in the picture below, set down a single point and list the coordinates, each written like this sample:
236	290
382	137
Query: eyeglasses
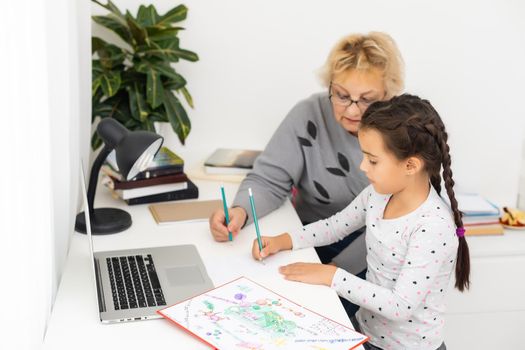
341	98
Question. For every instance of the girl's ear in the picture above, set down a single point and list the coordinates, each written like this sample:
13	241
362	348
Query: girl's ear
413	165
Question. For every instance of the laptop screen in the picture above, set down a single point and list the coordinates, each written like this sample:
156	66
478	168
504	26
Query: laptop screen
88	228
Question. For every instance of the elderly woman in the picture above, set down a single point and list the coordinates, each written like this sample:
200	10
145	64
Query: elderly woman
315	150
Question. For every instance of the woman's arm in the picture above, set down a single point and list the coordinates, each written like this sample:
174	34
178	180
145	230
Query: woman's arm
279	166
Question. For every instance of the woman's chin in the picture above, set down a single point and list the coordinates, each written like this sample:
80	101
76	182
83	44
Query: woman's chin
350	126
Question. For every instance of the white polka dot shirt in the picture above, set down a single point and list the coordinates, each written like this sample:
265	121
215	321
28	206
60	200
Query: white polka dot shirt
410	263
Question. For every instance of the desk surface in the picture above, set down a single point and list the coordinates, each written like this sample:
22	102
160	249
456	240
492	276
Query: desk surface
74	320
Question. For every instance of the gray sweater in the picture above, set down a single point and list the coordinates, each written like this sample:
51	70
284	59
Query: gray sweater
312	152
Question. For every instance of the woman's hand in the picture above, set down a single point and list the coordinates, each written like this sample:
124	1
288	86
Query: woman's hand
309	273
218	227
271	245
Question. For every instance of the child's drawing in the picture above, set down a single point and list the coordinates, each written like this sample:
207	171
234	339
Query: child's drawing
245	315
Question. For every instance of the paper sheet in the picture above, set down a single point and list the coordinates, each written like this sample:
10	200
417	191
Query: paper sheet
245	315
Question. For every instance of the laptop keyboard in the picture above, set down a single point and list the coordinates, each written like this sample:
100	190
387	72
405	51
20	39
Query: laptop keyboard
134	282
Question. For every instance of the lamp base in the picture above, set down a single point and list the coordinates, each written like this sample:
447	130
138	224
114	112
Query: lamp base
104	221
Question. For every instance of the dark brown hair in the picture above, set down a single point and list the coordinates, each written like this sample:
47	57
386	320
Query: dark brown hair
410	126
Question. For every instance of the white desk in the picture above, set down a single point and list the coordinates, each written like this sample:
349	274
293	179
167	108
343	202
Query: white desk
74	320
495	303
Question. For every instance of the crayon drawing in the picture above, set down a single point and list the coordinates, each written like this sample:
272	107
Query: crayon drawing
246	316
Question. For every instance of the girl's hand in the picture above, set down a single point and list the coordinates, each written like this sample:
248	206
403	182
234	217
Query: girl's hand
271	245
309	273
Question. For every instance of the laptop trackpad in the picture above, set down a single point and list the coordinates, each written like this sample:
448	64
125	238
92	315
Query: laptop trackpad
183	275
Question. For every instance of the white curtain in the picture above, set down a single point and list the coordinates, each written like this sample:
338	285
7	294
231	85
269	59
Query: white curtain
45	99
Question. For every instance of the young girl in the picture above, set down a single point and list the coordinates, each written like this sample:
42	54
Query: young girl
413	238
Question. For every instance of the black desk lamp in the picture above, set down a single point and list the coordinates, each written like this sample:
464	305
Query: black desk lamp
134	151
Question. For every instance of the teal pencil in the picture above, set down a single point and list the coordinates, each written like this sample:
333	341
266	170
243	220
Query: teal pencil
252	204
230	236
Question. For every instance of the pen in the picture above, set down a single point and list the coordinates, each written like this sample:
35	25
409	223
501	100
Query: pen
252	204
230	236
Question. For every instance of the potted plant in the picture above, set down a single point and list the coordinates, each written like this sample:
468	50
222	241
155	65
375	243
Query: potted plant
134	82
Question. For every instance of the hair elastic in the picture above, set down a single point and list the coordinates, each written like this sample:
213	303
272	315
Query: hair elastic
460	232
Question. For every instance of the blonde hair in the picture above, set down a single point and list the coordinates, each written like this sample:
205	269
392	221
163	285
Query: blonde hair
364	52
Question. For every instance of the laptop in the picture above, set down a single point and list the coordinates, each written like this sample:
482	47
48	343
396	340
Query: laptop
133	284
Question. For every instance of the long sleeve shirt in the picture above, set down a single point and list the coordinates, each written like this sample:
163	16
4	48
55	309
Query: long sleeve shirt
410	262
312	152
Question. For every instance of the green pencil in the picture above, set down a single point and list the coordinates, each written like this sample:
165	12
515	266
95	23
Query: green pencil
252	204
230	236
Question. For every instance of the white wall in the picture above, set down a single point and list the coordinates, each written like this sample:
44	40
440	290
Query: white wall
521	187
258	58
69	89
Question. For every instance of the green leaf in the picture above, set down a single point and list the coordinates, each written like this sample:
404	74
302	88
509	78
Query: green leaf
96	43
95	97
160	33
159	115
176	14
187	96
134	83
110	7
131	124
177	116
96	72
148	125
145	66
169	72
162	50
137	104
102	110
110	82
154	89
147	16
96	141
169	49
95	85
138	33
187	55
109	55
172	84
115	25
116	106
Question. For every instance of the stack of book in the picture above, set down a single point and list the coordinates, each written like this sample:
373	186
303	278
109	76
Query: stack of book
480	216
163	180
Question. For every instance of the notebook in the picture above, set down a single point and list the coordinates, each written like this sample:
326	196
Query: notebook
184	211
488	229
475	204
244	314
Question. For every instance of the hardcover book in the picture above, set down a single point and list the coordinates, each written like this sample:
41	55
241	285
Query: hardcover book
145	191
165	162
117	184
231	161
191	192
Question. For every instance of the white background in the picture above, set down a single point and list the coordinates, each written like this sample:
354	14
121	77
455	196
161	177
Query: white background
259	58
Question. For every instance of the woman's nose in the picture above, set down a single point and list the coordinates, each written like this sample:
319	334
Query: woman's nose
353	111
